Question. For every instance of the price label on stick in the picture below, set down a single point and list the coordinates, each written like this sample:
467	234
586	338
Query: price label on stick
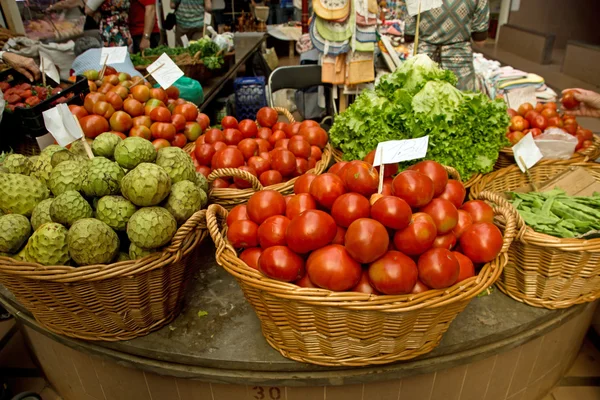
517	97
62	125
45	141
165	71
395	151
116	55
47	67
412	6
185	41
527	154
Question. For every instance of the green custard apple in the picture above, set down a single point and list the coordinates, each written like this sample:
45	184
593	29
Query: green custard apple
91	241
104	145
19	194
48	245
133	151
115	211
185	199
101	177
17	164
151	227
68	175
70	207
41	213
177	163
146	185
14	231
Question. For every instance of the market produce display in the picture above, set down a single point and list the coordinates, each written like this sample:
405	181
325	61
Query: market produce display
26	95
204	49
125	203
466	130
418	236
274	153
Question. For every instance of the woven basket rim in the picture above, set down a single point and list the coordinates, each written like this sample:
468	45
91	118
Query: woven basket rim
227	257
187	237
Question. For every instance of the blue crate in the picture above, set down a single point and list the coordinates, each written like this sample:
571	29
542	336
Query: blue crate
250	96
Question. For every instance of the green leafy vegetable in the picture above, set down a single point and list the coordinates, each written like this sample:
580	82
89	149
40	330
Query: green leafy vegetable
205	47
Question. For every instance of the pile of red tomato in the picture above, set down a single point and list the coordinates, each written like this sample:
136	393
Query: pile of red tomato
336	232
537	119
274	153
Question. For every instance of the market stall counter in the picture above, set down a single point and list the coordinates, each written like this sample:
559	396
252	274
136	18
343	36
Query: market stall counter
495	349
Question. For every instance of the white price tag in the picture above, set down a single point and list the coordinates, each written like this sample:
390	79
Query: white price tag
516	97
395	151
116	55
207	19
62	125
412	6
47	67
165	71
185	41
45	141
527	154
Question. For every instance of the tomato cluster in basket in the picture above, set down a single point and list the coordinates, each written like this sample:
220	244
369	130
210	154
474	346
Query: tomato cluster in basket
535	120
338	233
25	95
275	152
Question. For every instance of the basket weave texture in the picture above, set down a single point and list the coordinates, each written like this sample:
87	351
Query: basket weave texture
543	270
111	302
322	327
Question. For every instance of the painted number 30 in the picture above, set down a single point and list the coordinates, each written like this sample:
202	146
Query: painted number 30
274	393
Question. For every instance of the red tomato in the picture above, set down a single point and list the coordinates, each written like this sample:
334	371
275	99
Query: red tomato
417	237
586	133
78	111
454	192
548	113
270	177
540	122
279	262
337	167
309	231
300	148
179	141
443	213
531	114
301	167
366	240
229	122
302	184
282	143
467	269
326	189
242	234
229	157
280	126
315	153
93	125
436	172
203	169
232	136
250	256
340	236
481	242
220	183
213	136
363	285
275	137
535	132
272	231
315	135
413	187
237	213
242	183
571	128
248	147
265	204
447	241
259	164
298	204
524	108
263	145
349	207
464	221
420	287
203	120
284	161
569	101
264	133
219	146
389	170
163	130
331	267
178	121
248	128
392	212
438	268
305	282
360	177
394	273
518	123
160	114
266	117
479	210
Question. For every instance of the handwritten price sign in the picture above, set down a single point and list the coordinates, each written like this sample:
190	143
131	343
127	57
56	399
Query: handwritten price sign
395	151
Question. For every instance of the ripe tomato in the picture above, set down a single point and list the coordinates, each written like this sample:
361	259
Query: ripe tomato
302	184
337	167
203	120
204	153
229	122
282	143
518	123
237	213
270	177
389	170
142	120
179	141
467	269
250	256
264	133
550	105
141	131
438	268
178	121
512	112
265	204
394	273
420	287
115	100
232	136
364	285
315	153
360	177
523	108
305	282
214	135
454	192
349	207
93	125
259	164
272	231
479	210
284	161
104	109
300	148
310	230
263	145
571	127
464	221
417	237
586	133
242	183
120	121
447	241
141	93
366	240
298	204
481	242
220	183
248	128
315	135
266	117
413	187
279	262
189	111
78	111
569	101
242	234
531	115
159	94
326	188
392	212
540	122
443	213
436	172
301	167
162	143
340	236
229	157
160	114
331	267
549	113
219	146
163	130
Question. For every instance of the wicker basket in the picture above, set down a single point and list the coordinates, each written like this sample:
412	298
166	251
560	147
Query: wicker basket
543	270
112	302
322	327
230	197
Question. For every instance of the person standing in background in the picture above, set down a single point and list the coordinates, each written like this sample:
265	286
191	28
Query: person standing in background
446	34
190	18
218	7
285	12
143	25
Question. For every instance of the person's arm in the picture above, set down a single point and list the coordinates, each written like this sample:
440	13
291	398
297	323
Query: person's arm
208	5
24	65
590	103
149	22
480	23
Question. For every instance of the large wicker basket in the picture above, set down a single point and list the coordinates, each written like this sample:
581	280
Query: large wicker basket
230	197
543	270
112	302
322	327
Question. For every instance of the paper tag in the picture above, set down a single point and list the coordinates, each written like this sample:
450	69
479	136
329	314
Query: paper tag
45	141
395	151
185	41
62	125
48	67
116	55
412	6
165	71
516	97
207	19
527	151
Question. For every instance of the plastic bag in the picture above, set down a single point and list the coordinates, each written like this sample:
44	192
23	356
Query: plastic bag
556	144
189	89
62	54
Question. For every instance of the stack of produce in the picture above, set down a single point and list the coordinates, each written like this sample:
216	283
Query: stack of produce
203	50
61	208
466	130
26	95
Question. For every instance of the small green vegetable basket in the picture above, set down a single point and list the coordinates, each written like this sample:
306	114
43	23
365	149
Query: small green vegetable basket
543	270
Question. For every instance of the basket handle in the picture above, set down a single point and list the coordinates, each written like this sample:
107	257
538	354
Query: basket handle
215	221
286	113
503	207
452	173
235	173
195	222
